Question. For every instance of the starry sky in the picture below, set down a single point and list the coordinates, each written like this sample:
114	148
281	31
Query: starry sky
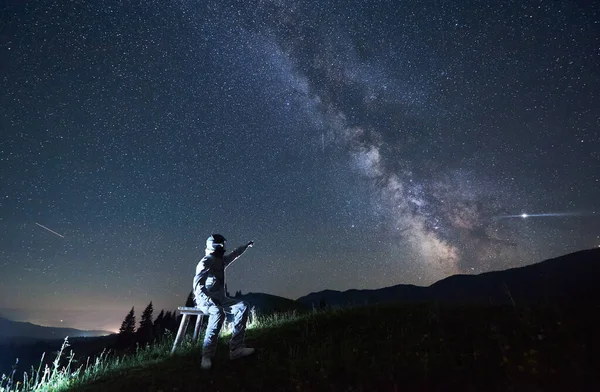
360	144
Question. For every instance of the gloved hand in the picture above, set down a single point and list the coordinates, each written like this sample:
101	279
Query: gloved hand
250	244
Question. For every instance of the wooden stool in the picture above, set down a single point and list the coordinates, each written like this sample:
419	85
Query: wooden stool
185	319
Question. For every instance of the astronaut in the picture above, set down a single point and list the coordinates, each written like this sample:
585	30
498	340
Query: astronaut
211	298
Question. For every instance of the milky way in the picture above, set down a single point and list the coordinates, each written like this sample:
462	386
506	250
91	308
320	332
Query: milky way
442	219
360	144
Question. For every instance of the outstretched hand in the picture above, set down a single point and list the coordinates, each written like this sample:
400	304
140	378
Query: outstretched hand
250	244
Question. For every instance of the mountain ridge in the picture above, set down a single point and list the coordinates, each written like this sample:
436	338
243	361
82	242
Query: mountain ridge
572	276
26	331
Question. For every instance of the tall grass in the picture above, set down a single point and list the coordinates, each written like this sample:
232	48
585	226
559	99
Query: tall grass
66	372
397	344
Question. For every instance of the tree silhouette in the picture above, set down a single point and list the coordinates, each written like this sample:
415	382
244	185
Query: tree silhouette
146	325
191	300
167	319
127	330
238	293
170	321
159	325
128	325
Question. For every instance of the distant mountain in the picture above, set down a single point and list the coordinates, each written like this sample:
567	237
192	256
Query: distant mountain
364	297
573	277
17	331
267	303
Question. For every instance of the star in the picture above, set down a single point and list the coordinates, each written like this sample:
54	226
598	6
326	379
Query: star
290	124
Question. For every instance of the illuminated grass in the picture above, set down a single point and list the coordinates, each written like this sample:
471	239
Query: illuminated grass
392	347
65	373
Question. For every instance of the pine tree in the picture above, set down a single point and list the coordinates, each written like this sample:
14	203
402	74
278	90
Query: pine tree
127	330
128	325
167	319
170	322
191	300
159	325
146	324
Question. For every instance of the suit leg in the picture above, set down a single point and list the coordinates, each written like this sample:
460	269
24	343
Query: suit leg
240	311
216	316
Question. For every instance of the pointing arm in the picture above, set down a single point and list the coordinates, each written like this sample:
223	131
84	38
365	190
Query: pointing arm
230	258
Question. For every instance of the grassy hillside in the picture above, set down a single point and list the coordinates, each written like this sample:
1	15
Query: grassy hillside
388	348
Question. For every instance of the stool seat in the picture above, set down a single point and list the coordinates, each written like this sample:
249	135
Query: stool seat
186	312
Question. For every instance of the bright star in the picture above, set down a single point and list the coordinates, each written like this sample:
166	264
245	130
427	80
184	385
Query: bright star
551	214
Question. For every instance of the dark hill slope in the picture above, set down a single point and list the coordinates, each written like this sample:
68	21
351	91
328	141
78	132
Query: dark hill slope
573	277
401	347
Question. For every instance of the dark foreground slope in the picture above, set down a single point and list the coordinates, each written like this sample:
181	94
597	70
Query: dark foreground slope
572	277
419	347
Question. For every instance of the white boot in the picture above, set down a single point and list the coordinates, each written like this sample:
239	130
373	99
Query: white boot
206	363
240	352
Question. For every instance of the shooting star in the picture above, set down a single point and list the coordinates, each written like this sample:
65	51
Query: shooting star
554	214
51	231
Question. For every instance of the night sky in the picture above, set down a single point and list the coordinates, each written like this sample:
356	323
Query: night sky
360	144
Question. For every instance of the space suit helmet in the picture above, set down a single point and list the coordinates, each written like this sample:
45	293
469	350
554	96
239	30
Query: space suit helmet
216	242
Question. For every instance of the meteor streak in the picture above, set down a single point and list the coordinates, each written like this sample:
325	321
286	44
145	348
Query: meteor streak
51	231
554	214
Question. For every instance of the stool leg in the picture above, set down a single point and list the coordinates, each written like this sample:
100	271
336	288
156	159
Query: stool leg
198	326
182	328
